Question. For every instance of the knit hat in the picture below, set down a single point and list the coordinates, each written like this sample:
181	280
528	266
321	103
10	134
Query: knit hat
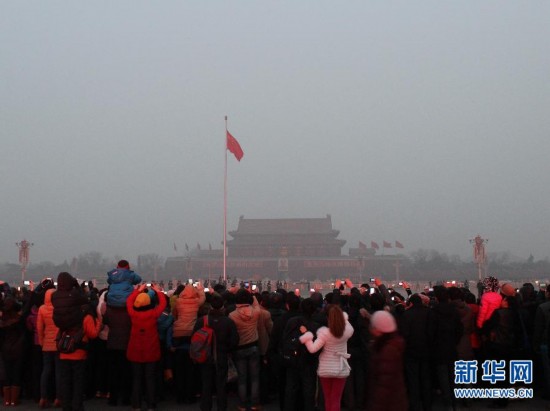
383	321
123	264
508	290
490	284
142	300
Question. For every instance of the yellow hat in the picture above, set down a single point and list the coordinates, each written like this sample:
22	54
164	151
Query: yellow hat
142	300
508	290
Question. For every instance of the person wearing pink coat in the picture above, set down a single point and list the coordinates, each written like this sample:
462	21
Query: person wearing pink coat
490	300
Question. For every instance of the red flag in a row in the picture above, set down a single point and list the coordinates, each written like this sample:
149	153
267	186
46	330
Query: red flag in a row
234	146
385	244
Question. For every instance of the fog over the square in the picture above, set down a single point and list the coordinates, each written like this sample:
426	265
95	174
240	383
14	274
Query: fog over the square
425	122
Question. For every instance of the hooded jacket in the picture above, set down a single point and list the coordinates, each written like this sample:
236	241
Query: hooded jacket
490	302
144	344
246	318
45	327
67	302
121	284
186	310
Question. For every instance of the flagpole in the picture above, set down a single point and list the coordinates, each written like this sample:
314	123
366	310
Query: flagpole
225	208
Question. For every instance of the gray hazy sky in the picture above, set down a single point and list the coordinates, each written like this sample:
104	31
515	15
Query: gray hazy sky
425	122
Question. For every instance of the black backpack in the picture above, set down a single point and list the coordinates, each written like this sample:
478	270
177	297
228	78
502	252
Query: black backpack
292	349
68	341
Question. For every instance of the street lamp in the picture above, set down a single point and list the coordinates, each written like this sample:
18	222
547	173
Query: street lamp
23	257
480	256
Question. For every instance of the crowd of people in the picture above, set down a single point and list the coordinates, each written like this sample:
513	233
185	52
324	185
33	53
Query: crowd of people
362	348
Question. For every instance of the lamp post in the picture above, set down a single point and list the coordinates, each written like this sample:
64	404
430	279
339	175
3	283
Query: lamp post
23	257
397	264
361	267
480	256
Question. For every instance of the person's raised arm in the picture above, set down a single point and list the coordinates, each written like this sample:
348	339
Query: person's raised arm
307	339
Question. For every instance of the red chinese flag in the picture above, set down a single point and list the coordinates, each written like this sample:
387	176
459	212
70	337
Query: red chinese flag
234	146
374	245
362	245
386	244
398	245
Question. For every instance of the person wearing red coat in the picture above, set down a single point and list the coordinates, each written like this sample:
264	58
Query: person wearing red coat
144	346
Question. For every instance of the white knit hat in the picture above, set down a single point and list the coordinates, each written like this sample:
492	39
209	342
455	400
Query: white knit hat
383	321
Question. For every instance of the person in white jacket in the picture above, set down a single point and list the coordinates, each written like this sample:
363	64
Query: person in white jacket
333	361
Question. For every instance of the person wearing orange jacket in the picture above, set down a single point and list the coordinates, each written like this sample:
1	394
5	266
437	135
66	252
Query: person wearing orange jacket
47	332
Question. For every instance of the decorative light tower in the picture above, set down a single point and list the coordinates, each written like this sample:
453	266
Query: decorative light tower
23	257
480	256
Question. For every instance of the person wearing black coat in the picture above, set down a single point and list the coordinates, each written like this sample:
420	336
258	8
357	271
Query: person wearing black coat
354	392
301	380
68	302
226	340
447	329
275	344
120	325
507	337
12	342
416	328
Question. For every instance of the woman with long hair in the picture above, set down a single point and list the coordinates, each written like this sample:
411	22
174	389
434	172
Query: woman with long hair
333	367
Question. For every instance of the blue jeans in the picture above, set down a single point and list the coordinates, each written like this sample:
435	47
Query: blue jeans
247	362
50	365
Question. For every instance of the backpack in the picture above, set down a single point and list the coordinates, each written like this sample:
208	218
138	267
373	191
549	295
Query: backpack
292	349
68	341
201	349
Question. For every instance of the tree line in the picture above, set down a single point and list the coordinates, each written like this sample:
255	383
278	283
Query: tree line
421	264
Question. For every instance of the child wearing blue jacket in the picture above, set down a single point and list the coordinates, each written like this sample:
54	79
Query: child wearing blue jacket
121	282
